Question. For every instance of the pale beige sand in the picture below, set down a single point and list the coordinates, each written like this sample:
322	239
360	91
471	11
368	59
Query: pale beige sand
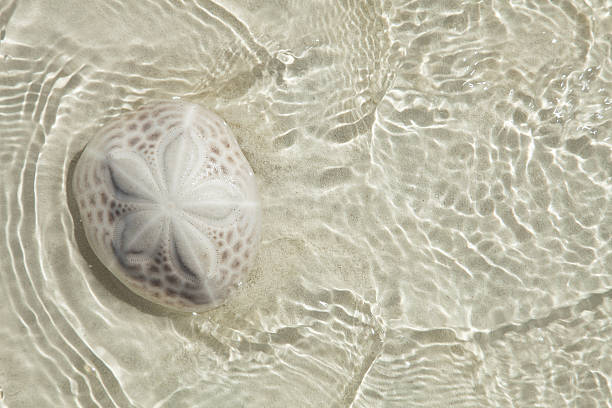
435	185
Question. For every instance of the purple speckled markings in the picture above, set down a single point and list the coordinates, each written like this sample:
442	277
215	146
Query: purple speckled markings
169	204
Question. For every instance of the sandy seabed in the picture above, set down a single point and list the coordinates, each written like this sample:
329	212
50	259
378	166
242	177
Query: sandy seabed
435	176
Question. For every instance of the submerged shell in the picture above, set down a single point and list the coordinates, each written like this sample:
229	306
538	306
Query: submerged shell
169	204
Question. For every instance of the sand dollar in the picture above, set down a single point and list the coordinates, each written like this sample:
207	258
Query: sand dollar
169	204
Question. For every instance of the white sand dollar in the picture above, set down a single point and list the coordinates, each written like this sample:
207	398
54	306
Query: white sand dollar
169	204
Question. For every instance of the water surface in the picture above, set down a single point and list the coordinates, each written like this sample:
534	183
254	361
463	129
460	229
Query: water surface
436	180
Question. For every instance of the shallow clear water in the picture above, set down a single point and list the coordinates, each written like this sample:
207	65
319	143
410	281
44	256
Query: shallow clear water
436	179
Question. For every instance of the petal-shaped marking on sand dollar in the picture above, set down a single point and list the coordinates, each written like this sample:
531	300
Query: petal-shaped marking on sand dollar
131	176
195	252
181	158
213	202
139	233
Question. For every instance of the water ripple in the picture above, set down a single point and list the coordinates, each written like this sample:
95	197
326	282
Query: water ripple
436	189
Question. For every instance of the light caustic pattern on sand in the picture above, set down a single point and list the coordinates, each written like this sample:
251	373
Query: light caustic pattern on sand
435	183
